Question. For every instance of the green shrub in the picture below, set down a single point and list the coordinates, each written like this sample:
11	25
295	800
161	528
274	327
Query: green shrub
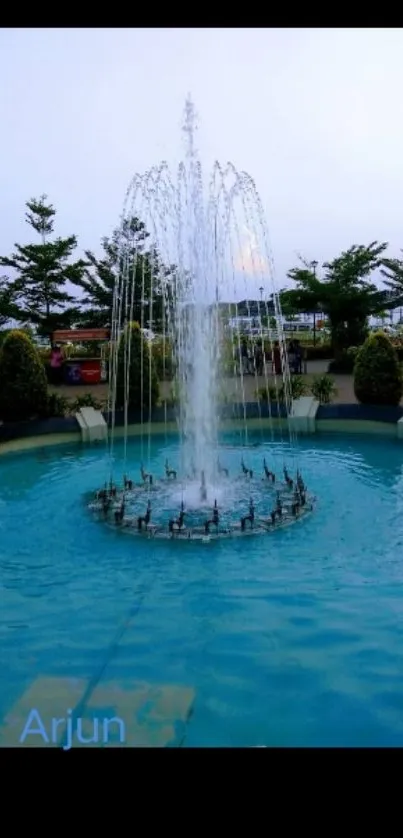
162	359
58	405
173	399
229	351
377	372
25	329
298	389
320	352
86	350
150	389
298	386
86	400
323	388
23	385
264	394
44	353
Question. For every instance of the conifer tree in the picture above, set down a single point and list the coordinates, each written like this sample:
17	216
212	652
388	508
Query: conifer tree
41	272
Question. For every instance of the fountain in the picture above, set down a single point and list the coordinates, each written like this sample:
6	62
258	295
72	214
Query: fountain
215	241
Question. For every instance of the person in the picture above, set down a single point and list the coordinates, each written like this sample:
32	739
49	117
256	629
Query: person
297	357
259	358
291	355
244	357
277	358
56	364
250	368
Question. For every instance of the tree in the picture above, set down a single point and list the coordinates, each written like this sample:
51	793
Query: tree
392	271
23	385
141	376
344	294
8	305
125	255
288	309
42	271
382	315
377	372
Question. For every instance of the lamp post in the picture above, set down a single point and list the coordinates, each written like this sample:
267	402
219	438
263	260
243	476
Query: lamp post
314	265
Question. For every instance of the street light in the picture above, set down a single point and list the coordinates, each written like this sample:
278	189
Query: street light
314	265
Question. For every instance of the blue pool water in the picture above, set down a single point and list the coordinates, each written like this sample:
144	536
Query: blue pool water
295	638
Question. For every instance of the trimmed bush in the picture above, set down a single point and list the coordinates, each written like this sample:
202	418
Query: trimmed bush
136	372
23	385
377	372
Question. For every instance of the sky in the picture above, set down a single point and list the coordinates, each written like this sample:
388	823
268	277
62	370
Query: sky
313	115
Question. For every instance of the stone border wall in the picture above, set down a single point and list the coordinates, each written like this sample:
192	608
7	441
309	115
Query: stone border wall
337	418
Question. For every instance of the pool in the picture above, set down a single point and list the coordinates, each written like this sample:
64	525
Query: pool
291	639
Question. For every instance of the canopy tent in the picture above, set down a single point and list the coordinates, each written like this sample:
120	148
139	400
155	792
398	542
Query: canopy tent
80	335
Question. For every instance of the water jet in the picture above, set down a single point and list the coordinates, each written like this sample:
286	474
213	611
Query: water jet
213	235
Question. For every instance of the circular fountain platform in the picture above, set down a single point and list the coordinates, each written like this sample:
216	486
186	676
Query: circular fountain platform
188	510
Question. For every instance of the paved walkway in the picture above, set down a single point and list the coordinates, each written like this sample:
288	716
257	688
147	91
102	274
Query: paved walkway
231	386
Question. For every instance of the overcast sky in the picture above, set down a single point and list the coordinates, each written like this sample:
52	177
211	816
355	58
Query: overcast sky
315	116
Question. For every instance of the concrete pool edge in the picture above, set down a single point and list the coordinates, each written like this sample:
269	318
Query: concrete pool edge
332	418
